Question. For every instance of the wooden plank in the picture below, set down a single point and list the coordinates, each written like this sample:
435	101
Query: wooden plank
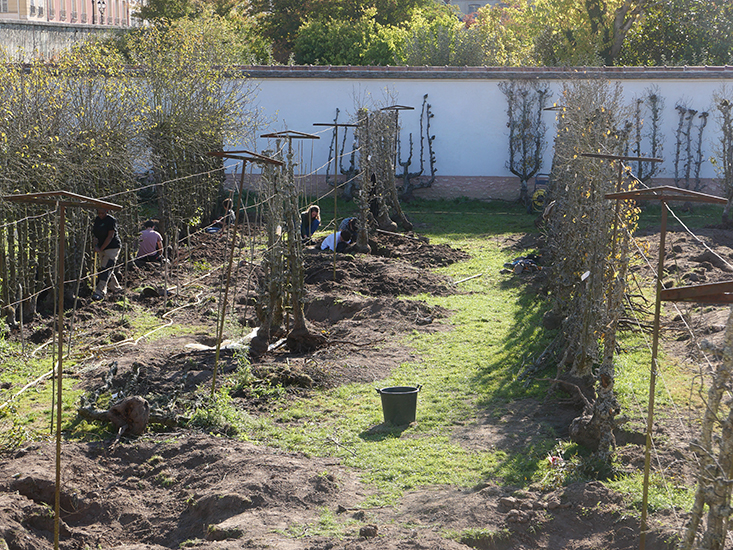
47	197
667	193
712	293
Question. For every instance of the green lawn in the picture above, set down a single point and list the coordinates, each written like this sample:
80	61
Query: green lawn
465	372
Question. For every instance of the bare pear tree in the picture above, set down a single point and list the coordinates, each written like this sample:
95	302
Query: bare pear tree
645	139
367	182
416	179
377	133
300	337
688	157
588	270
270	305
723	159
526	102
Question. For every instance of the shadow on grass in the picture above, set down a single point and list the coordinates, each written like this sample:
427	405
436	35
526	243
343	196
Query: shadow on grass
527	339
469	217
524	427
450	217
383	431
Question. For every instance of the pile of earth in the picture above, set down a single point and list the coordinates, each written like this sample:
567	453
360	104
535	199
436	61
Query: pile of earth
176	487
185	489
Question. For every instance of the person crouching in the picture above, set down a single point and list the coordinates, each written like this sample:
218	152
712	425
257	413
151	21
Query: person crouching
310	220
150	248
337	241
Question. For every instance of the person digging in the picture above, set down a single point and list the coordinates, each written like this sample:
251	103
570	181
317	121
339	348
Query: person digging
107	246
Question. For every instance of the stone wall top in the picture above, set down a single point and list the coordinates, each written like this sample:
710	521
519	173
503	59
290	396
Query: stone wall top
487	73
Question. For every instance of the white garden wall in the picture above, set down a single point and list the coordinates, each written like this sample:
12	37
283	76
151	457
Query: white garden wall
469	110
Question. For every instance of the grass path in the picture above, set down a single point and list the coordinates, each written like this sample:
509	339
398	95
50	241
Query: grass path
462	371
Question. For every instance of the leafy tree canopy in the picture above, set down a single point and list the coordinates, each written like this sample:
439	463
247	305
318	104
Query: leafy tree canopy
231	27
346	42
426	32
566	32
282	19
682	32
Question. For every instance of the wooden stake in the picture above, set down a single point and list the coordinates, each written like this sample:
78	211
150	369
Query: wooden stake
20	307
223	308
76	293
59	372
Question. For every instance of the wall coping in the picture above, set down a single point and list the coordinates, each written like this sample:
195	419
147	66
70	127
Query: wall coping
487	73
56	25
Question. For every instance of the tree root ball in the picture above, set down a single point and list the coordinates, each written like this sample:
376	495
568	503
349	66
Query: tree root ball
584	431
133	412
303	340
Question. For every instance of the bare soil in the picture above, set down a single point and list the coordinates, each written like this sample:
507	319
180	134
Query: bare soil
174	487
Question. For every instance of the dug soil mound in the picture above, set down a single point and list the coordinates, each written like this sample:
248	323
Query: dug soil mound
176	487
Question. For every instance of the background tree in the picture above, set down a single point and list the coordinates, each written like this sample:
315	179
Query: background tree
165	11
192	110
507	43
681	32
430	39
567	32
248	45
282	19
330	41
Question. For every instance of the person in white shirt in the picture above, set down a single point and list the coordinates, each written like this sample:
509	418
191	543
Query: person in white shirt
341	238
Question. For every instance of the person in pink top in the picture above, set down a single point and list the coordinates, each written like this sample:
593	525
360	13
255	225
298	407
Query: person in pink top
151	244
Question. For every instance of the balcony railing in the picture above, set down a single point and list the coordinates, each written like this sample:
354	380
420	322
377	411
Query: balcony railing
74	17
62	15
83	17
33	10
51	13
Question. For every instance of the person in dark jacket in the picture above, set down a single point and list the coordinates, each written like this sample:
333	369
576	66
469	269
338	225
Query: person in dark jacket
309	222
107	245
350	224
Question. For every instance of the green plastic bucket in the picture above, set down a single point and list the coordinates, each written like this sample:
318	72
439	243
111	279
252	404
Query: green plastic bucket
399	404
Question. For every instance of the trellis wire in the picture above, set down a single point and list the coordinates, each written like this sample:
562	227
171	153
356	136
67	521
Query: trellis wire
660	370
